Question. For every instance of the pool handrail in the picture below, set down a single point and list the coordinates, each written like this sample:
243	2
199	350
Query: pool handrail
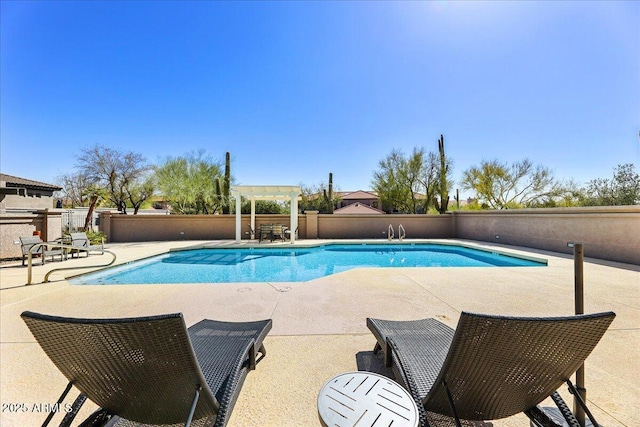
62	246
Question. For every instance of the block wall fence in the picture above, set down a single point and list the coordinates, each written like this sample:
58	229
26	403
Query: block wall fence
609	233
13	226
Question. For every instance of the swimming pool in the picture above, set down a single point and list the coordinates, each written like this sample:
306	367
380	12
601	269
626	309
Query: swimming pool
294	264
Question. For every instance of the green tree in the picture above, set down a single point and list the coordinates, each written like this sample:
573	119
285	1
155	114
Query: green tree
264	207
74	188
397	181
191	183
94	194
320	197
79	190
120	173
622	189
506	187
409	184
140	192
567	194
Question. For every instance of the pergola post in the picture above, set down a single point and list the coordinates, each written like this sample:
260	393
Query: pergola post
265	192
238	218
294	217
253	218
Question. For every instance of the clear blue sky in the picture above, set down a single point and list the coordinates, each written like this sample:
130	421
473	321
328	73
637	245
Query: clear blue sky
295	90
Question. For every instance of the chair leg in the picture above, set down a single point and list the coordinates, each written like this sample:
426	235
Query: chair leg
100	418
60	399
193	407
576	395
75	407
263	353
539	418
564	410
452	405
252	357
387	354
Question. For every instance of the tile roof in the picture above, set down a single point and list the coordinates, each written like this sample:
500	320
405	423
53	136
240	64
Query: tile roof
14	181
360	195
358	208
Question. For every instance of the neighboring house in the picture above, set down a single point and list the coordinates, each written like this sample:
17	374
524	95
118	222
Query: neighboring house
345	198
158	202
371	199
367	198
358	208
25	194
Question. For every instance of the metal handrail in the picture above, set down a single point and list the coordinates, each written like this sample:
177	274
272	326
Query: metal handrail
401	232
63	246
390	234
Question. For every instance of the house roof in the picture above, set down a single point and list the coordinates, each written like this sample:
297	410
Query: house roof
17	182
358	208
359	195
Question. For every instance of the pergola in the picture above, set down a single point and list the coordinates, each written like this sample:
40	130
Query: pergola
265	192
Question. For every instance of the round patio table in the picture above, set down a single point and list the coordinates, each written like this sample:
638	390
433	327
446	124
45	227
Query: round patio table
365	399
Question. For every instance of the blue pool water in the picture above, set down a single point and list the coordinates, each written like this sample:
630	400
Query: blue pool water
293	265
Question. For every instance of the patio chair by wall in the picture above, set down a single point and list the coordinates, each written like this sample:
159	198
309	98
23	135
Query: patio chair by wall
490	367
287	232
278	232
266	232
81	240
151	370
271	232
29	241
251	232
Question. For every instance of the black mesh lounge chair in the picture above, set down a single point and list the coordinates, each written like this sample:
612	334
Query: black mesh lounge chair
490	367
151	370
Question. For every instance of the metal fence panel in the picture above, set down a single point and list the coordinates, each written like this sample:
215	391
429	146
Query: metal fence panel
73	220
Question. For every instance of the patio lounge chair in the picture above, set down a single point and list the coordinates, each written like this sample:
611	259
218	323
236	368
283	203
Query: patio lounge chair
80	240
490	367
30	241
151	370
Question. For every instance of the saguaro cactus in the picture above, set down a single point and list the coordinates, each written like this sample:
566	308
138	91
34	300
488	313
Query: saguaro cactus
219	197
328	196
443	204
226	185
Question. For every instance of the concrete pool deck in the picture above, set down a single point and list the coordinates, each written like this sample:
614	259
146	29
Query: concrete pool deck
319	327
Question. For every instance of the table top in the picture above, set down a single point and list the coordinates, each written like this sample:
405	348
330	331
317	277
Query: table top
365	398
